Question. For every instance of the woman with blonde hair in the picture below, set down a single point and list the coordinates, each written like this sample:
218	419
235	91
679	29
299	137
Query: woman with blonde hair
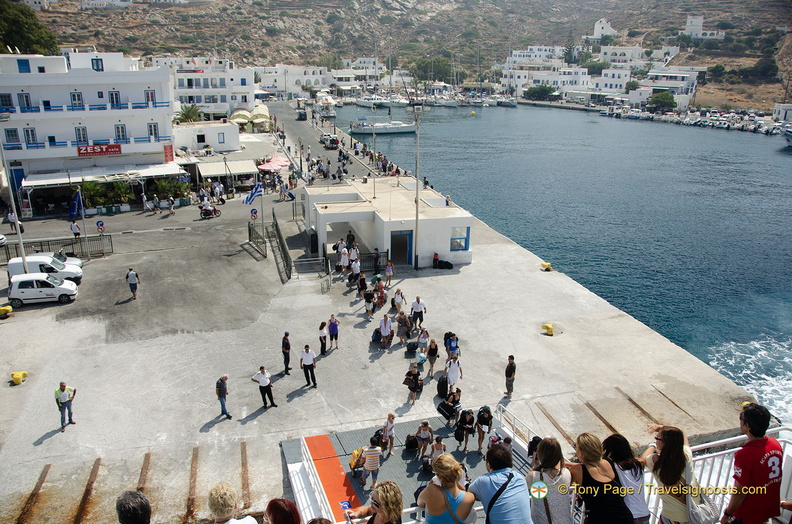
550	468
604	505
447	503
389	432
386	505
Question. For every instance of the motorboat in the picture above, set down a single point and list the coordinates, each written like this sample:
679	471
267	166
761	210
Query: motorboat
370	101
365	127
788	136
396	101
507	102
325	106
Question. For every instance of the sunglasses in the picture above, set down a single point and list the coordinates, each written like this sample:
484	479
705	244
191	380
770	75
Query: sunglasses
375	503
658	439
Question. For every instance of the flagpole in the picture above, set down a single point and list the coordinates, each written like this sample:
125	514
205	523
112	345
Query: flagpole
82	210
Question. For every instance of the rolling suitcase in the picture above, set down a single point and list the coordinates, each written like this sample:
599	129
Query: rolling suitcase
356	461
442	387
447	411
411	443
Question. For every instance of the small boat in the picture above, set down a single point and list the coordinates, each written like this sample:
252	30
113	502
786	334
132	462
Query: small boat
364	127
325	105
396	101
370	101
507	102
788	135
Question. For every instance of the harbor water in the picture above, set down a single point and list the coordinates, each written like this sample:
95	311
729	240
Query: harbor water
687	229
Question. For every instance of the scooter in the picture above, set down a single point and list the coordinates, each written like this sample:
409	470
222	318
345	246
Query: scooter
209	214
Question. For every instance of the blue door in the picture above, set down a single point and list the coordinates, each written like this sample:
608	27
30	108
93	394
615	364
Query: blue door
401	247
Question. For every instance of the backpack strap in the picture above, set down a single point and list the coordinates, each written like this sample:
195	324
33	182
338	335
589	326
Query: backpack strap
497	495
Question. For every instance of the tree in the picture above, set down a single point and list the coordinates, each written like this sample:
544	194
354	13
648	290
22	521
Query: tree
569	54
607	40
189	113
19	28
664	100
648	53
539	93
632	85
595	68
717	71
765	68
256	77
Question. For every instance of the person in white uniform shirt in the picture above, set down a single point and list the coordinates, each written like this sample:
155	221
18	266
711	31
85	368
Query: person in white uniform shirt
264	380
385	327
417	312
308	364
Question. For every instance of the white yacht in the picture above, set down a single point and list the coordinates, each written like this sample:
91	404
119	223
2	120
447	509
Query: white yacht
370	101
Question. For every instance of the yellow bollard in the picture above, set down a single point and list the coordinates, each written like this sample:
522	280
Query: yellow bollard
546	266
6	310
18	377
548	329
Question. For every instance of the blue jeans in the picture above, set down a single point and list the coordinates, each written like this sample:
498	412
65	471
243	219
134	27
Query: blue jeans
223	410
65	406
366	472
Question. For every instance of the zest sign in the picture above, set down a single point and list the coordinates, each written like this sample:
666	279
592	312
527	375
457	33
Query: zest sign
99	150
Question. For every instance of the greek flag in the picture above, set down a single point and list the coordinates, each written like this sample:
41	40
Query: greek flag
253	195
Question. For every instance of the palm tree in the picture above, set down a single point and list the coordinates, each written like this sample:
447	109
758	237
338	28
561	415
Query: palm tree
189	113
256	77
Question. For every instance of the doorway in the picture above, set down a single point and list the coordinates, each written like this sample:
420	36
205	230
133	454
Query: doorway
401	247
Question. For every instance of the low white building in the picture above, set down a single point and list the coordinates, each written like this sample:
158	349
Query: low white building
38	5
782	112
290	79
366	63
673	80
565	79
694	27
635	58
387	222
104	4
519	76
601	28
200	136
215	85
532	53
611	81
82	111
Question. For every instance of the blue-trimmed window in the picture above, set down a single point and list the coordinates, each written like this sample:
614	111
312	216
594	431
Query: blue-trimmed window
97	64
460	238
23	65
12	135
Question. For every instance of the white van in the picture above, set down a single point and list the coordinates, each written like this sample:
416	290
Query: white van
44	264
40	287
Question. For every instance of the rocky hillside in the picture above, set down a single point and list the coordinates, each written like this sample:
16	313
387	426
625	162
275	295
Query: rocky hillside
265	32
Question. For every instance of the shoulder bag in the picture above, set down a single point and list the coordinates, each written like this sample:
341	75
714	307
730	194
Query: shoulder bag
546	504
704	511
497	495
472	517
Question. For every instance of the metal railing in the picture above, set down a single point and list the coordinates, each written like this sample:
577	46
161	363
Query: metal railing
95	245
314	491
284	249
258	237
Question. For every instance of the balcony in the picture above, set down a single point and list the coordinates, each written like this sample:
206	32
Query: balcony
76	143
124	105
76	107
35	145
121	106
119	141
29	109
68	148
143	139
101	142
12	146
162	138
56	143
7	109
48	109
97	107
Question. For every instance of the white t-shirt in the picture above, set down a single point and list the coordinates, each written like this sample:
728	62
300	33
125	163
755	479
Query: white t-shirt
75	228
132	277
308	358
243	520
418	306
385	326
356	267
264	379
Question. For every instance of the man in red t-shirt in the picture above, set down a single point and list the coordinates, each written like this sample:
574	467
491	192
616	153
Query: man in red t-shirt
756	465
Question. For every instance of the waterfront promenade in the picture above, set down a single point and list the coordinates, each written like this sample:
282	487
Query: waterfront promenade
209	304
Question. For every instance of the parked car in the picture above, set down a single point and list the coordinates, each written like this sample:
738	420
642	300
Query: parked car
302	115
40	287
63	259
2	240
44	264
324	137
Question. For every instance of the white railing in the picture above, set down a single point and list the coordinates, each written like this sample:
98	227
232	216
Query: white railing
508	425
309	496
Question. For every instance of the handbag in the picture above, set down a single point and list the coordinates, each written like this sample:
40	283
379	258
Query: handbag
407	381
704	511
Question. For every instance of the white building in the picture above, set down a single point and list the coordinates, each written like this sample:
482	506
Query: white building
366	63
782	112
213	84
565	79
539	52
635	58
104	4
38	5
519	76
694	26
289	79
201	136
673	80
388	222
611	81
94	114
601	28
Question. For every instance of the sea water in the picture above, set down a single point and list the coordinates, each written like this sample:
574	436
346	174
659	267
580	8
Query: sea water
687	229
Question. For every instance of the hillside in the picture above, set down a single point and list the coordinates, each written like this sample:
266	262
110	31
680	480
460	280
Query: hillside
265	32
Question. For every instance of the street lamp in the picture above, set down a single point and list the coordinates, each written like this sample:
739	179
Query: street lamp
417	111
18	226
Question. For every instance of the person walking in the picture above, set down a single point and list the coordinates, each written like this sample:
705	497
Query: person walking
417	311
389	431
286	350
12	221
75	229
323	338
145	202
64	396
511	369
425	434
453	371
390	270
133	279
171	203
413	381
372	465
385	328
156	200
398	299
308	364
221	390
332	326
431	355
264	380
377	258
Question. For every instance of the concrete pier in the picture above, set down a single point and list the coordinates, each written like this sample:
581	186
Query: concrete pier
208	304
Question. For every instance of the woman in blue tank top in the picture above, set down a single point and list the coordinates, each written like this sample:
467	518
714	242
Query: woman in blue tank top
444	494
